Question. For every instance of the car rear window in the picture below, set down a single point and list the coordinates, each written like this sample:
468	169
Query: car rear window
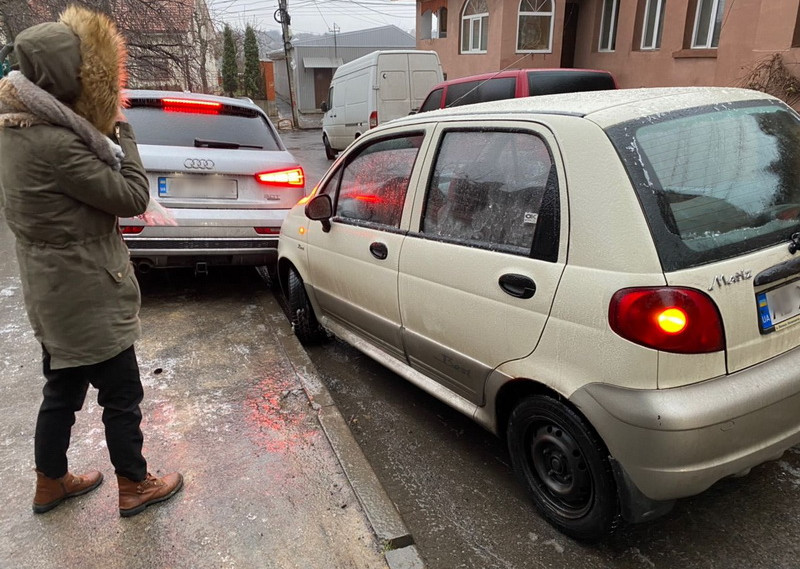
715	182
154	125
553	82
480	91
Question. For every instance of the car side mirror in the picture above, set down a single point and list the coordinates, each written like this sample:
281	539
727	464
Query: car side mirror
324	106
320	209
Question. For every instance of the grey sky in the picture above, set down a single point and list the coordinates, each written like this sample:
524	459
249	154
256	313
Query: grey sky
317	16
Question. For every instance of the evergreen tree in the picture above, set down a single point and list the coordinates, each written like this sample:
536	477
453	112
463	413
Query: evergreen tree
230	80
253	82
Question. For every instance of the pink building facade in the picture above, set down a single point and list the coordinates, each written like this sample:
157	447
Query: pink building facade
644	43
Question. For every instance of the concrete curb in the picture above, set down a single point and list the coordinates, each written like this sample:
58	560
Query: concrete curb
396	541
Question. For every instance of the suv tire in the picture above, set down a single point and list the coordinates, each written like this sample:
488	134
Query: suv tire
565	466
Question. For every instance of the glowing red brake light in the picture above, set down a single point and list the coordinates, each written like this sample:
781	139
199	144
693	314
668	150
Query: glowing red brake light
293	177
131	229
679	320
190	106
373	119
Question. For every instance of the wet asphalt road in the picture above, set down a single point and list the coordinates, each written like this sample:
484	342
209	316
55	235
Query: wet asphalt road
453	483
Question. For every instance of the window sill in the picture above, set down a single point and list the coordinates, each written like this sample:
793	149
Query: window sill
695	53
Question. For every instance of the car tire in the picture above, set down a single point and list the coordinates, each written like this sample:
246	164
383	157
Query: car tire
301	313
329	152
564	465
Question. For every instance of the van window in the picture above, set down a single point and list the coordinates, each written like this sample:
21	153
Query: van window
552	82
487	188
374	183
481	91
715	182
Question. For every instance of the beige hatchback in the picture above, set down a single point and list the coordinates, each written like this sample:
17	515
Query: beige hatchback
608	280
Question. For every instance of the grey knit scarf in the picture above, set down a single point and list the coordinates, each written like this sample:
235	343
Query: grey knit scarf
45	107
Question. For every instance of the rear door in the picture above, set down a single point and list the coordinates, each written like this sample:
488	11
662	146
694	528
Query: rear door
479	272
201	158
424	72
393	96
720	189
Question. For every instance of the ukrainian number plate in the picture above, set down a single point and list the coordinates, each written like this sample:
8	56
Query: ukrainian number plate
209	187
779	307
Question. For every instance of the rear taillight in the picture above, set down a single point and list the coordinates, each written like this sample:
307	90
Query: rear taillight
190	106
293	177
671	319
267	230
373	119
131	229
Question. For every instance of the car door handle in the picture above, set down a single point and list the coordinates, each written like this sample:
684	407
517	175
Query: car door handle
518	286
379	250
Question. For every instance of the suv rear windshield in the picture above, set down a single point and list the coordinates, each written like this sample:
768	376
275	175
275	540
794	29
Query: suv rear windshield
715	182
154	125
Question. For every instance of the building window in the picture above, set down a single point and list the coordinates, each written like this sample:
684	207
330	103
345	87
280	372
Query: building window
653	24
608	25
442	22
535	26
475	27
707	24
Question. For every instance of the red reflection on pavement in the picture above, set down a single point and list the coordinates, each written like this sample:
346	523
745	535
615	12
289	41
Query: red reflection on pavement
274	421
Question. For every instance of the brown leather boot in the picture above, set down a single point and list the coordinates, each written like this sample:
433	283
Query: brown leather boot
134	497
50	492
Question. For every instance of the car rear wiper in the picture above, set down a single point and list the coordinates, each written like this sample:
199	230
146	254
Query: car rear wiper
203	143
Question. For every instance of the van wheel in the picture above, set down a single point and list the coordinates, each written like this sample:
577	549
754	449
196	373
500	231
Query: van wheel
565	466
329	152
301	314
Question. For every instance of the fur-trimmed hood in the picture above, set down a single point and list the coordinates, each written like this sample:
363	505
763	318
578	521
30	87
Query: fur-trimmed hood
80	60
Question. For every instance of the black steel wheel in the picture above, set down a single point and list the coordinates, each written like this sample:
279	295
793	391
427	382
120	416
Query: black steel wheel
301	313
565	467
329	152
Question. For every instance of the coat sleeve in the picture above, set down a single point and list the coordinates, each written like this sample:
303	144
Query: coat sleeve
86	178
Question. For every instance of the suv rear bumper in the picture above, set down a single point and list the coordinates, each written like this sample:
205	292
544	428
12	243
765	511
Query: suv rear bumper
172	252
677	442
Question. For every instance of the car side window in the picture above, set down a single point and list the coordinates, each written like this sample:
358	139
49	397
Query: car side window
375	179
433	102
487	190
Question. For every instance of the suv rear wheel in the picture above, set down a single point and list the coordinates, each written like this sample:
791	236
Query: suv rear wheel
301	313
565	466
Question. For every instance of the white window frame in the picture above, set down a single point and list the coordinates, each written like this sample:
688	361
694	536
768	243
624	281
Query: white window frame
610	42
717	9
655	9
551	14
474	39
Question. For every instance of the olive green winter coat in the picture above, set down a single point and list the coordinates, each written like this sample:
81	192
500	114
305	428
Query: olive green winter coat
62	202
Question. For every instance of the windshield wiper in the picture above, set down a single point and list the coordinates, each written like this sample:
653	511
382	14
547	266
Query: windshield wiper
203	143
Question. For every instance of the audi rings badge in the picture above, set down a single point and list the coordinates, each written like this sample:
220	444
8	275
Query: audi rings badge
198	164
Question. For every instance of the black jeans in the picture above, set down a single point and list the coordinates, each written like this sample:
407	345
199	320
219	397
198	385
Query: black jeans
119	393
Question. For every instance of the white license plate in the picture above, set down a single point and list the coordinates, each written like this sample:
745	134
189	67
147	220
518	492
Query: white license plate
779	307
196	187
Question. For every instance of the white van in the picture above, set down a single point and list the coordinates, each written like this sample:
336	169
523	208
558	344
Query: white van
373	89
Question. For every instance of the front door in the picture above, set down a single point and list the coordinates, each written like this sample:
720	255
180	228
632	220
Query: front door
570	35
322	82
478	279
355	263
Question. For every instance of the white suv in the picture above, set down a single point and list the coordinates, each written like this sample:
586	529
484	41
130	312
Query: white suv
219	166
608	280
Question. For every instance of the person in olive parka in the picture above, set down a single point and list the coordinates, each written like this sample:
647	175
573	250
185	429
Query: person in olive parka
69	167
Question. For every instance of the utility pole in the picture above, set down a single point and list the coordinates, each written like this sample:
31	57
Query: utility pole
282	17
335	30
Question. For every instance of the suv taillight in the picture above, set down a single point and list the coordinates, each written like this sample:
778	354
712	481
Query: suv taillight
671	319
293	177
373	119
